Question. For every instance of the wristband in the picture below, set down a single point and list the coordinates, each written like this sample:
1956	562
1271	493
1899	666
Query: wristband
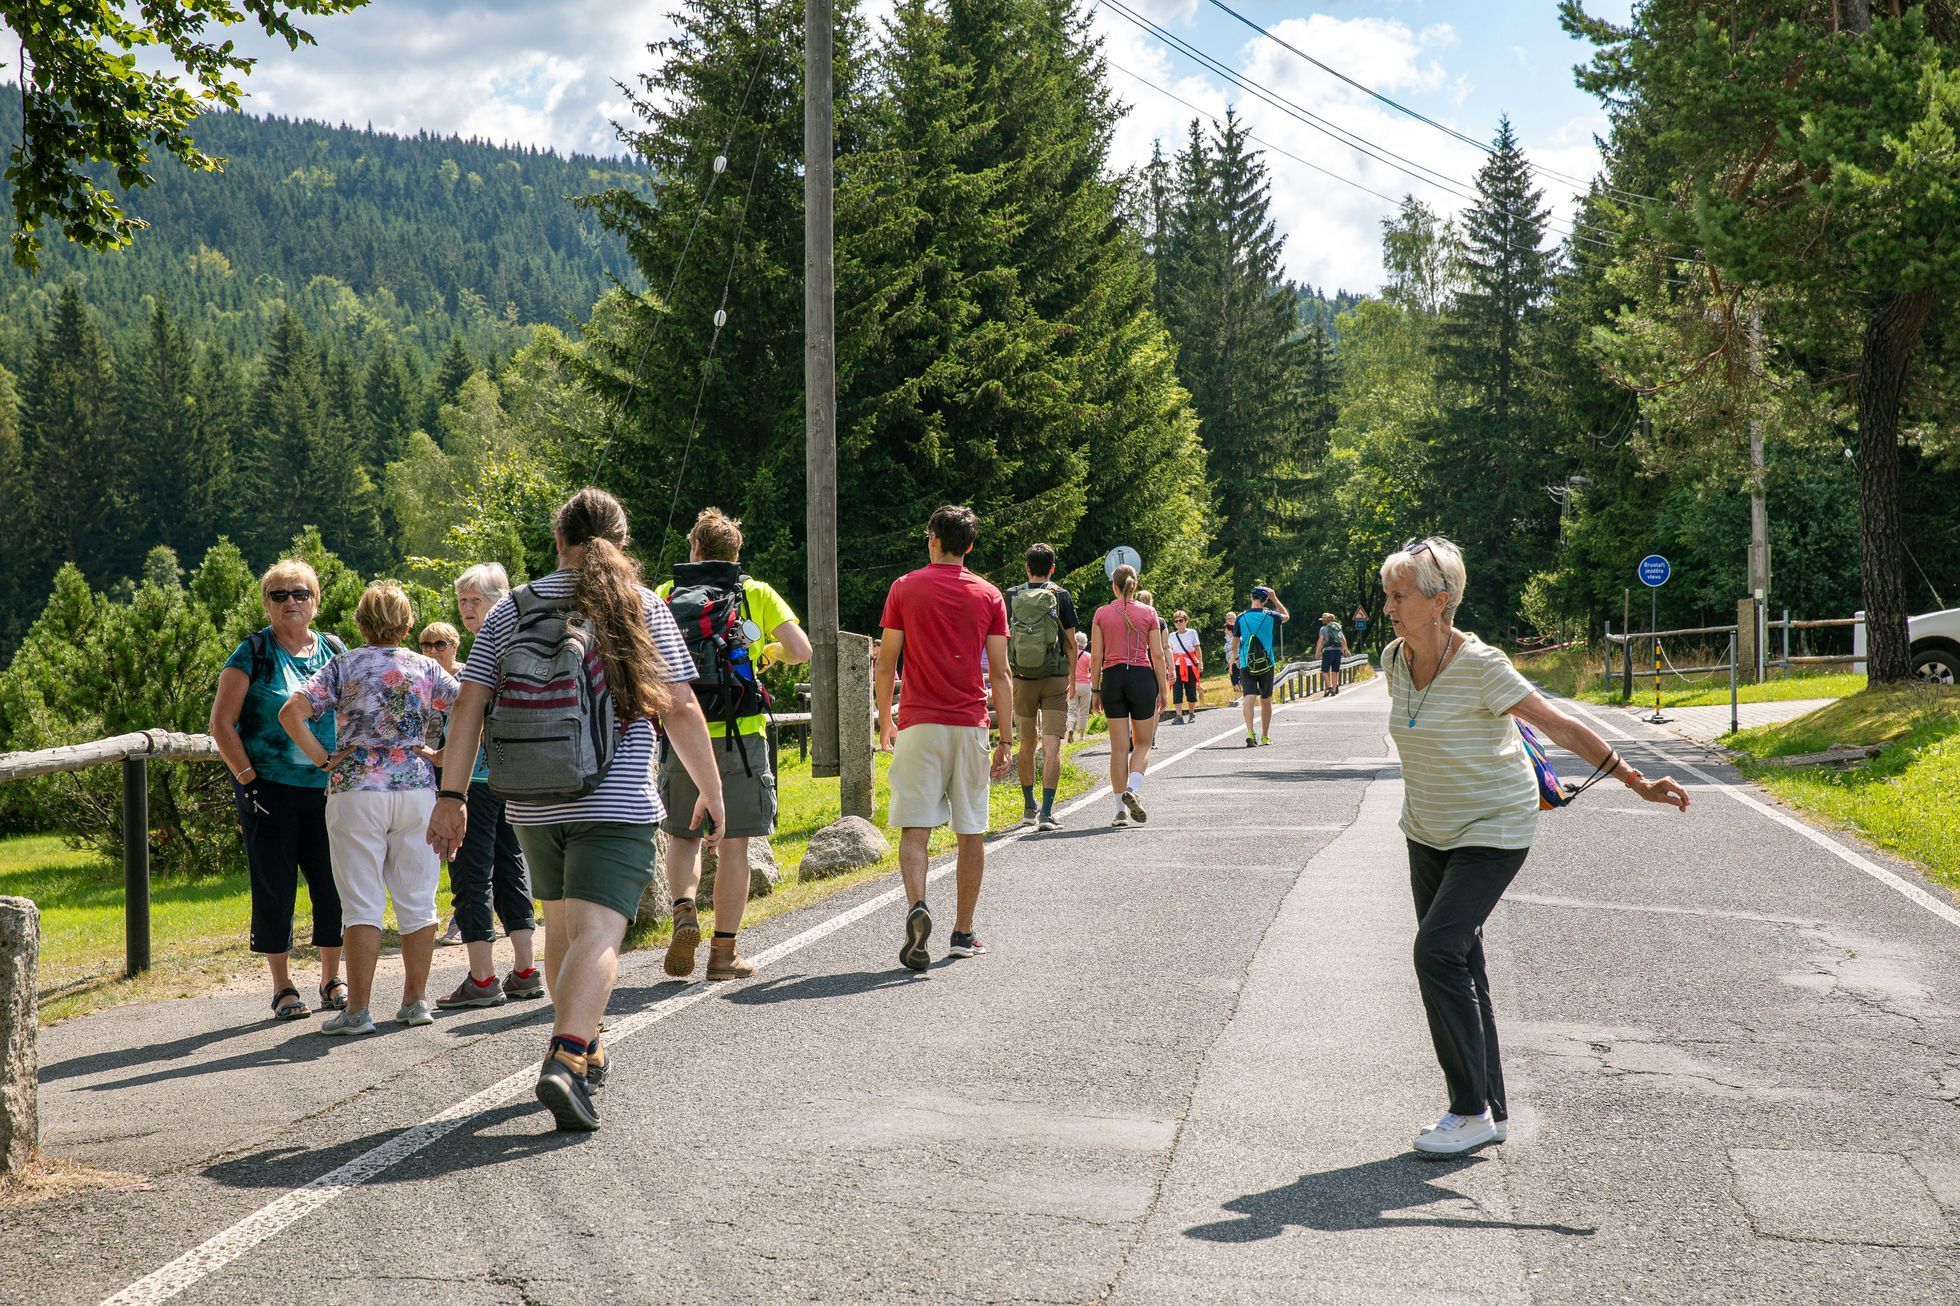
451	793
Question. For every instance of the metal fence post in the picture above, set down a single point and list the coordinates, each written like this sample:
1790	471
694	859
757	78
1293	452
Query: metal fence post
136	865
1786	641
1733	725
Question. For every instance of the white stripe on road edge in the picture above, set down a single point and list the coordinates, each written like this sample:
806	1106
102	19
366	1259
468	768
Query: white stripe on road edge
223	1248
1890	879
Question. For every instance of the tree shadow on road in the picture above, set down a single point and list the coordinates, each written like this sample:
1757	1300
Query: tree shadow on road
1359	1197
468	1147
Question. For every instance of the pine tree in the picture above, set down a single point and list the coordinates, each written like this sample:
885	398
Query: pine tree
387	411
181	483
218	406
71	450
1491	460
1240	351
452	369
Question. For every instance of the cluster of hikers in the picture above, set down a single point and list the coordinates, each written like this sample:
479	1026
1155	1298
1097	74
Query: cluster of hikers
536	771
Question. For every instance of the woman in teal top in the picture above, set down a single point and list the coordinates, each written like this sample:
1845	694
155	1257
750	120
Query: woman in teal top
281	795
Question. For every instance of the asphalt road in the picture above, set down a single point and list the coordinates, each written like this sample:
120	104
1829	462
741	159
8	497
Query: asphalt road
1189	1071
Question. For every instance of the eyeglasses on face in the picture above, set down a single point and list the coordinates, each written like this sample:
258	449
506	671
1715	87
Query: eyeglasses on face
297	596
428	644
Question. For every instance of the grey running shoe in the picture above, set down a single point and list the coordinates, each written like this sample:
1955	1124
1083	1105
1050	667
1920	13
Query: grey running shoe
918	928
415	1013
471	994
564	1093
1134	801
524	986
1048	821
1122	816
348	1022
451	936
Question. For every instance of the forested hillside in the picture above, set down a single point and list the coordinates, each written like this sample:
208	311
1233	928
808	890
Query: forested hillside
355	231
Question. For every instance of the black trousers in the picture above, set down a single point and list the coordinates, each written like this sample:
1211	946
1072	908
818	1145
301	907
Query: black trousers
488	870
1455	892
286	841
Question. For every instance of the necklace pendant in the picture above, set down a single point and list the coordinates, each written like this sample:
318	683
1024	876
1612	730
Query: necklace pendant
1412	723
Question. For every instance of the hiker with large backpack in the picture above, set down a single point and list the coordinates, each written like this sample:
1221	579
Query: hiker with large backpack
1470	803
280	795
1259	659
1129	684
573	669
728	620
1040	662
1330	650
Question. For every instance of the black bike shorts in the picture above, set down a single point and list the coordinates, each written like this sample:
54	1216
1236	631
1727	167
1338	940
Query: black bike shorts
1129	691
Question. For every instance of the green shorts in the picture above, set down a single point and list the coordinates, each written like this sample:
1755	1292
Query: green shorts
748	800
607	862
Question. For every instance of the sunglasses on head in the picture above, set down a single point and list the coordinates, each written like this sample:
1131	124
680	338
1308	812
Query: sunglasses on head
1414	547
280	596
436	643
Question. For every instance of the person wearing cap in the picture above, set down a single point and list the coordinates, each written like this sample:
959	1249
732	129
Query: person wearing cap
1259	659
1330	649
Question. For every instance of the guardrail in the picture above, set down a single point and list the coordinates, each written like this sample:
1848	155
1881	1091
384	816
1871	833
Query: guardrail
1299	679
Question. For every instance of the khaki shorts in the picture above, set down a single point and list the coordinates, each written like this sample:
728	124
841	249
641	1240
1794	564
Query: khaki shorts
748	801
1046	696
939	776
605	862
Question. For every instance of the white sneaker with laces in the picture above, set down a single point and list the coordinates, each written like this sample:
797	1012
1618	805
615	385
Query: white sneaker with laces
1502	1129
1456	1135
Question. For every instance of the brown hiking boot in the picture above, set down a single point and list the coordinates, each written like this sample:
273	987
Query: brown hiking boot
725	964
680	949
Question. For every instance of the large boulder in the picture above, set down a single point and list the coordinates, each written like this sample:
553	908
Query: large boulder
844	845
20	1090
764	875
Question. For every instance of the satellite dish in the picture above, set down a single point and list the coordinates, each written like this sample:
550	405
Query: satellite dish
1122	556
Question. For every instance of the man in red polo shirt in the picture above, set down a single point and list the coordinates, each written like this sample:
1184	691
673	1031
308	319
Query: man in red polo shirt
942	618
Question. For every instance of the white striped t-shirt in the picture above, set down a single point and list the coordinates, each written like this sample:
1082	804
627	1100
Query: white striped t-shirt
629	793
1466	781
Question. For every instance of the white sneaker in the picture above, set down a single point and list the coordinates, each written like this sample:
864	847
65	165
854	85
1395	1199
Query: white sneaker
345	1023
451	936
1456	1135
415	1013
1500	1128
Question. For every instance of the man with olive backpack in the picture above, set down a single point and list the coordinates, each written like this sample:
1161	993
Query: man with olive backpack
1040	662
730	622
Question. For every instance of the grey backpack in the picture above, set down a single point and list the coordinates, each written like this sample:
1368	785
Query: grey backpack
551	730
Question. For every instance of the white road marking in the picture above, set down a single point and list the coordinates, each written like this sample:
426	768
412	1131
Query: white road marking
220	1250
1890	879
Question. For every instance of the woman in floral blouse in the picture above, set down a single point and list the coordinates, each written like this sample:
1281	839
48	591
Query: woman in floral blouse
380	790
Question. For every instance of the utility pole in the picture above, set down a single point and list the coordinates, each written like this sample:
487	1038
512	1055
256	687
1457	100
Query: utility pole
820	383
1758	505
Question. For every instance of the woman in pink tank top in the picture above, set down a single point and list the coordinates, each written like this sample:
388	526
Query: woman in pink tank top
1129	680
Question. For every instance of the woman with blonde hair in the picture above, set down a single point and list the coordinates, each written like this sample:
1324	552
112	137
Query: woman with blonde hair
590	857
281	795
1470	804
380	790
1129	682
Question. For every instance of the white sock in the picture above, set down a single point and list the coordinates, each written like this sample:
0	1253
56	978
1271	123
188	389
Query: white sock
1136	782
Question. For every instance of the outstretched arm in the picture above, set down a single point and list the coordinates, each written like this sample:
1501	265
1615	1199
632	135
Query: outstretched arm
1578	738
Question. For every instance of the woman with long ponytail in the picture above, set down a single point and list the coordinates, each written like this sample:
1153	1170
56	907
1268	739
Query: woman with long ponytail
1129	681
590	858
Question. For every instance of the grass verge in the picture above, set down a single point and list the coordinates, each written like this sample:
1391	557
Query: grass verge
1907	799
1579	673
197	925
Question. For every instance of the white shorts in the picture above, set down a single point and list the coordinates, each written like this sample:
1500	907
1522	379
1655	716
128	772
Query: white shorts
939	776
381	851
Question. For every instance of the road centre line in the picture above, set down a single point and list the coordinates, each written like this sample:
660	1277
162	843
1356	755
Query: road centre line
1890	879
226	1246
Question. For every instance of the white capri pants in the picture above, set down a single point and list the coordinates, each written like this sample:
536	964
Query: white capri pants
380	851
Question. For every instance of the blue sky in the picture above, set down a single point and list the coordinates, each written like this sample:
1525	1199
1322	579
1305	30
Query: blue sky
542	72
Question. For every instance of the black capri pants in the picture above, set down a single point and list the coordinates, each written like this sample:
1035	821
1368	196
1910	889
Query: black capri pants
488	872
1184	689
285	841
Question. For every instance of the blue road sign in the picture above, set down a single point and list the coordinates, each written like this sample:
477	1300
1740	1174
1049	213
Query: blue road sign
1654	571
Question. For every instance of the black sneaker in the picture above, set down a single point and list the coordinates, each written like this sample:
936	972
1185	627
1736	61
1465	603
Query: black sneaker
918	928
965	945
565	1095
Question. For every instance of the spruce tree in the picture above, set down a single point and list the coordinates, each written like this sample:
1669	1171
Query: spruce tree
218	408
181	483
72	452
1492	458
387	411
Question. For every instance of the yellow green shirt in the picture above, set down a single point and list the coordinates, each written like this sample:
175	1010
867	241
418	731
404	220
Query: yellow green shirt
767	609
1466	779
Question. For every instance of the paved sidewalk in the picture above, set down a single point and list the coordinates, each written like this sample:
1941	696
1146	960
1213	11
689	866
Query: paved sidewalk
1707	725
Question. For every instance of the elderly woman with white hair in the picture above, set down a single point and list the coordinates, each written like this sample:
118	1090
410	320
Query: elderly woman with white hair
1469	811
488	874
